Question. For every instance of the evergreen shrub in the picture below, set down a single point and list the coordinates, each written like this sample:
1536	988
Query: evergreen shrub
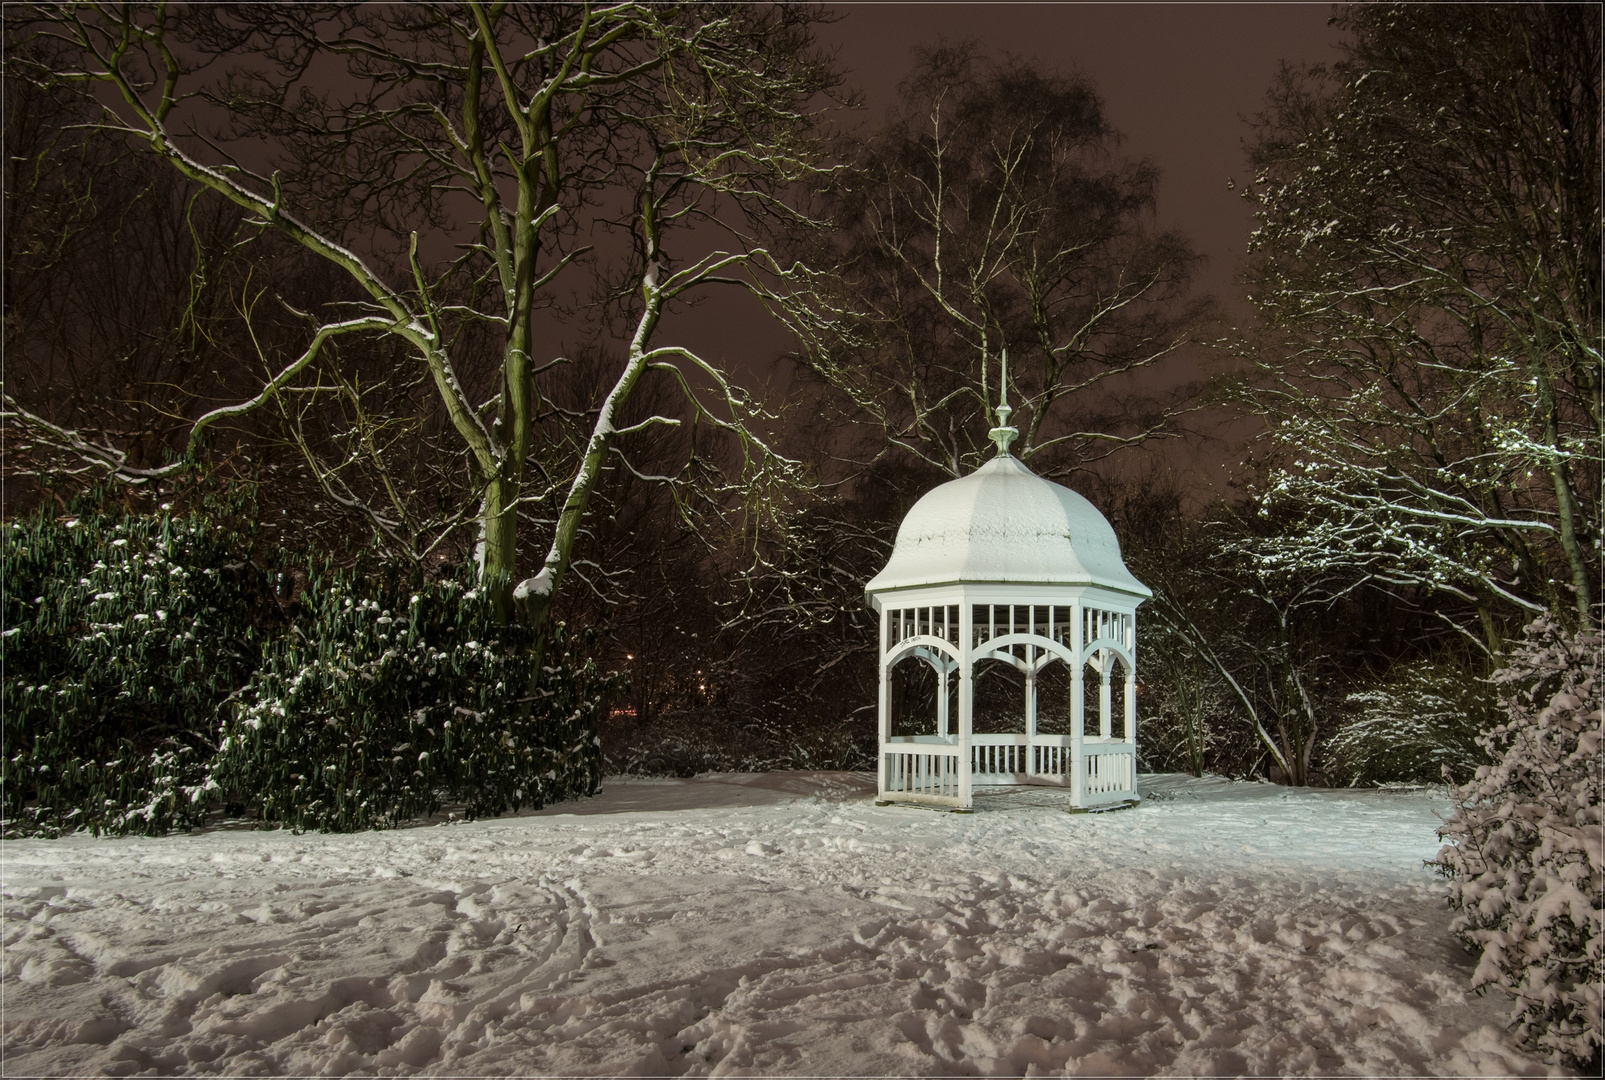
391	696
160	670
1526	851
123	633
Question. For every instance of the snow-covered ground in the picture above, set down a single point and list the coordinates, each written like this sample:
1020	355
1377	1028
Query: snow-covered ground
761	924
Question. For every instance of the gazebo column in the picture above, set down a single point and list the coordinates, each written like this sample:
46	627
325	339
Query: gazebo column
1078	724
1131	698
966	698
885	708
1131	707
1131	724
1030	710
943	675
1105	669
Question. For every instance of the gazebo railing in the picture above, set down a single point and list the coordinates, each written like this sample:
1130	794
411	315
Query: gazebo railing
1111	772
922	772
926	769
998	755
1051	760
1109	766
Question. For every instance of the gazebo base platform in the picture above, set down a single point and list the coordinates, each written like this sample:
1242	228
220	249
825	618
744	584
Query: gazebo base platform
927	806
929	770
995	796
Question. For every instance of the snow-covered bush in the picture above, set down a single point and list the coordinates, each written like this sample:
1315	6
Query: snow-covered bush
122	634
1525	854
391	696
1423	718
162	669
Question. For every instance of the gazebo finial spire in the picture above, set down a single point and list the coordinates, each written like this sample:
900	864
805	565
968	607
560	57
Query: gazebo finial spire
1003	434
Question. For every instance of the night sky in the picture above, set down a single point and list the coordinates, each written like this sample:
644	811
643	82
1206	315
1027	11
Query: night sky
1177	80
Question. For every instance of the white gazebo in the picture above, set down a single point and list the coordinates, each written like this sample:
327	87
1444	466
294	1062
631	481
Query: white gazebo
1004	566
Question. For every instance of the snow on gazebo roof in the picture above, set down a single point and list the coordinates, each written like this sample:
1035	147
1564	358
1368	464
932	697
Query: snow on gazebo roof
1005	524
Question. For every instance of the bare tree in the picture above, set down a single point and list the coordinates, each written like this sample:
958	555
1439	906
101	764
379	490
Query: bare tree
124	341
1250	662
1259	634
994	212
488	181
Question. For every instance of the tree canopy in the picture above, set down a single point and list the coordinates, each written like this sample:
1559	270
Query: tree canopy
1427	272
994	211
495	186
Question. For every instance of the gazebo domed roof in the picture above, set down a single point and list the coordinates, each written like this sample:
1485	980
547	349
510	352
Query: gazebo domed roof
1005	524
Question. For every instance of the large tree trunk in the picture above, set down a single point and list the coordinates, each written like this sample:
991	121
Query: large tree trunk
1566	505
498	558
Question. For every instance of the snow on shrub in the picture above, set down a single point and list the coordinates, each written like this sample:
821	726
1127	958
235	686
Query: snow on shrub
157	674
1420	721
122	634
394	695
1524	854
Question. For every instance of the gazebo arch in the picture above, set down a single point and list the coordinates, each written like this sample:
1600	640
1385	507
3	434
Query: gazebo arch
1003	564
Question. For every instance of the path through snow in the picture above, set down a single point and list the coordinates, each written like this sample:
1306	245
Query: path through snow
760	924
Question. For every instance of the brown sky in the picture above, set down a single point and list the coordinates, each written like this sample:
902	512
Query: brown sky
1177	80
